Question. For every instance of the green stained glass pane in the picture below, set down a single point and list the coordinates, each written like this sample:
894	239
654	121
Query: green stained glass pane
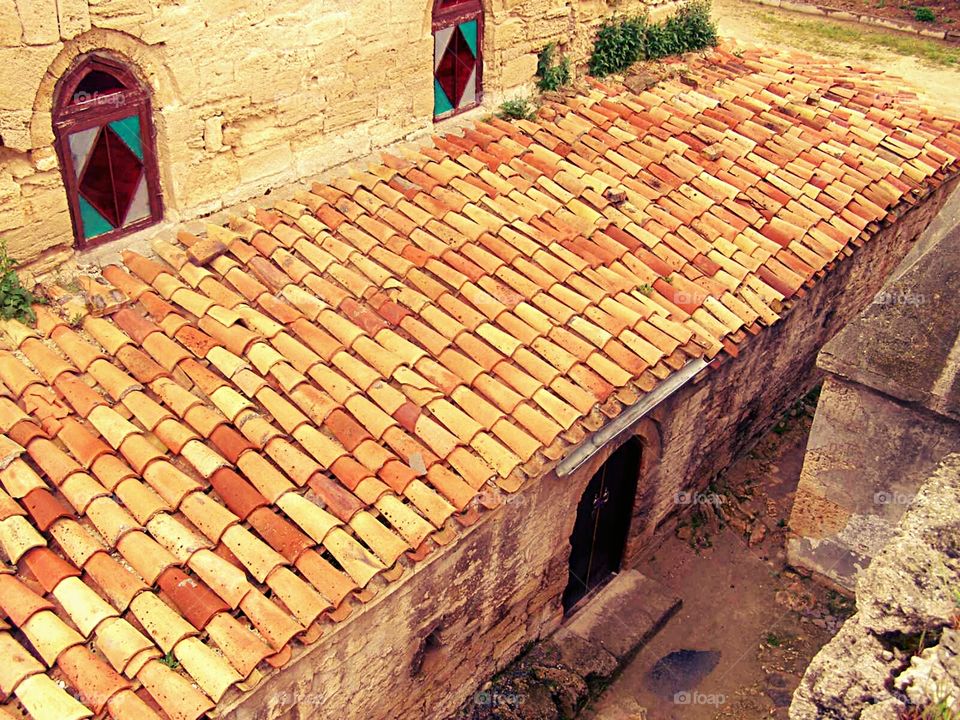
469	30
93	222
128	129
441	103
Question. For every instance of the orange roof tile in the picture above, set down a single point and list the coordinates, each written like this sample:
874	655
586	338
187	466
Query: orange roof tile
288	408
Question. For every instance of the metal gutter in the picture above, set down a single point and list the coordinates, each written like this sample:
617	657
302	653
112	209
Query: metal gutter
593	444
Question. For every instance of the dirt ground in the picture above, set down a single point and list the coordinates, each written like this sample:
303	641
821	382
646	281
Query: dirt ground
933	67
946	15
749	625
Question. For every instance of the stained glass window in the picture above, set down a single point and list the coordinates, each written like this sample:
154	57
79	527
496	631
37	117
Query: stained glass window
457	59
105	142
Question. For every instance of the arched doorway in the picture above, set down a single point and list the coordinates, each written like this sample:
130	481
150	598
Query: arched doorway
600	531
457	56
105	142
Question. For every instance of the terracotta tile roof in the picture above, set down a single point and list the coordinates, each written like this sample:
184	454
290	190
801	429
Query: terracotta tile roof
272	422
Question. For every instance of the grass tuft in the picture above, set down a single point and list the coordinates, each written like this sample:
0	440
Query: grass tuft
520	108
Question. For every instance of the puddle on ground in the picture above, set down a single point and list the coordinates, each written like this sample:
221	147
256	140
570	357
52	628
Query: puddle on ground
681	670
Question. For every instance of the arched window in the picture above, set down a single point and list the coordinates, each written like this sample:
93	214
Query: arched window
104	138
457	56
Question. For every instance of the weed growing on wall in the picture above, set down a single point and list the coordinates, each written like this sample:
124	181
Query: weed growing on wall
15	299
552	75
520	108
621	42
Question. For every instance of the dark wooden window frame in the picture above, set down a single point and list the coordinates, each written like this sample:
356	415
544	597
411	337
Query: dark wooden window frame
70	117
449	13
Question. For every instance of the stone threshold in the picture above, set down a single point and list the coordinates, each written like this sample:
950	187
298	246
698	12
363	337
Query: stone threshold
871	20
560	675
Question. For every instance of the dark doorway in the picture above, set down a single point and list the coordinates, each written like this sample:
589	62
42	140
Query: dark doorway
603	522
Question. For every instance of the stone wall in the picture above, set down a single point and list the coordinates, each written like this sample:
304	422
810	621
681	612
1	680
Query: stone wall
481	600
866	457
899	655
705	426
248	95
888	414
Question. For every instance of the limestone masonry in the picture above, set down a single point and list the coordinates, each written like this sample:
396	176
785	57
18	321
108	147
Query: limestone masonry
246	95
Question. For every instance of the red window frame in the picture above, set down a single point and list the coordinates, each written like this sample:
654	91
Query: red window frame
73	113
454	12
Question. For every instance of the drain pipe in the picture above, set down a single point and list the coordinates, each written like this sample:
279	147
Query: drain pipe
593	444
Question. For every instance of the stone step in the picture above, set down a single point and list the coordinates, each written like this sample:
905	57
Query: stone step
620	618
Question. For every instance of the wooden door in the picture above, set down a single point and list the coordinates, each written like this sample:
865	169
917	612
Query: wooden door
603	523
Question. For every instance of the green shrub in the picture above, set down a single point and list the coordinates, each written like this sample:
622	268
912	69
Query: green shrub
520	108
924	14
15	299
621	42
553	75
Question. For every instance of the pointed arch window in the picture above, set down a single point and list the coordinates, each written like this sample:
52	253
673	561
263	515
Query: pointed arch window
105	142
457	56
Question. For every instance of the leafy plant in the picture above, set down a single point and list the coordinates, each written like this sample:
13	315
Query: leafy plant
646	289
170	660
924	14
619	44
15	299
773	640
520	108
553	75
622	42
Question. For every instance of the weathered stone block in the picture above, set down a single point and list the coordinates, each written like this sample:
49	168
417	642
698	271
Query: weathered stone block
519	71
39	20
21	69
11	29
73	17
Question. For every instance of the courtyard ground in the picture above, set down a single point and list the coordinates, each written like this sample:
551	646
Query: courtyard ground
749	625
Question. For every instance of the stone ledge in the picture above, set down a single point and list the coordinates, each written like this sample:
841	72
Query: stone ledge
624	615
905	344
900	651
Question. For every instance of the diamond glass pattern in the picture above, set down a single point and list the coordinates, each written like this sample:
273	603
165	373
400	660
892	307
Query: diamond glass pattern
111	175
455	72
